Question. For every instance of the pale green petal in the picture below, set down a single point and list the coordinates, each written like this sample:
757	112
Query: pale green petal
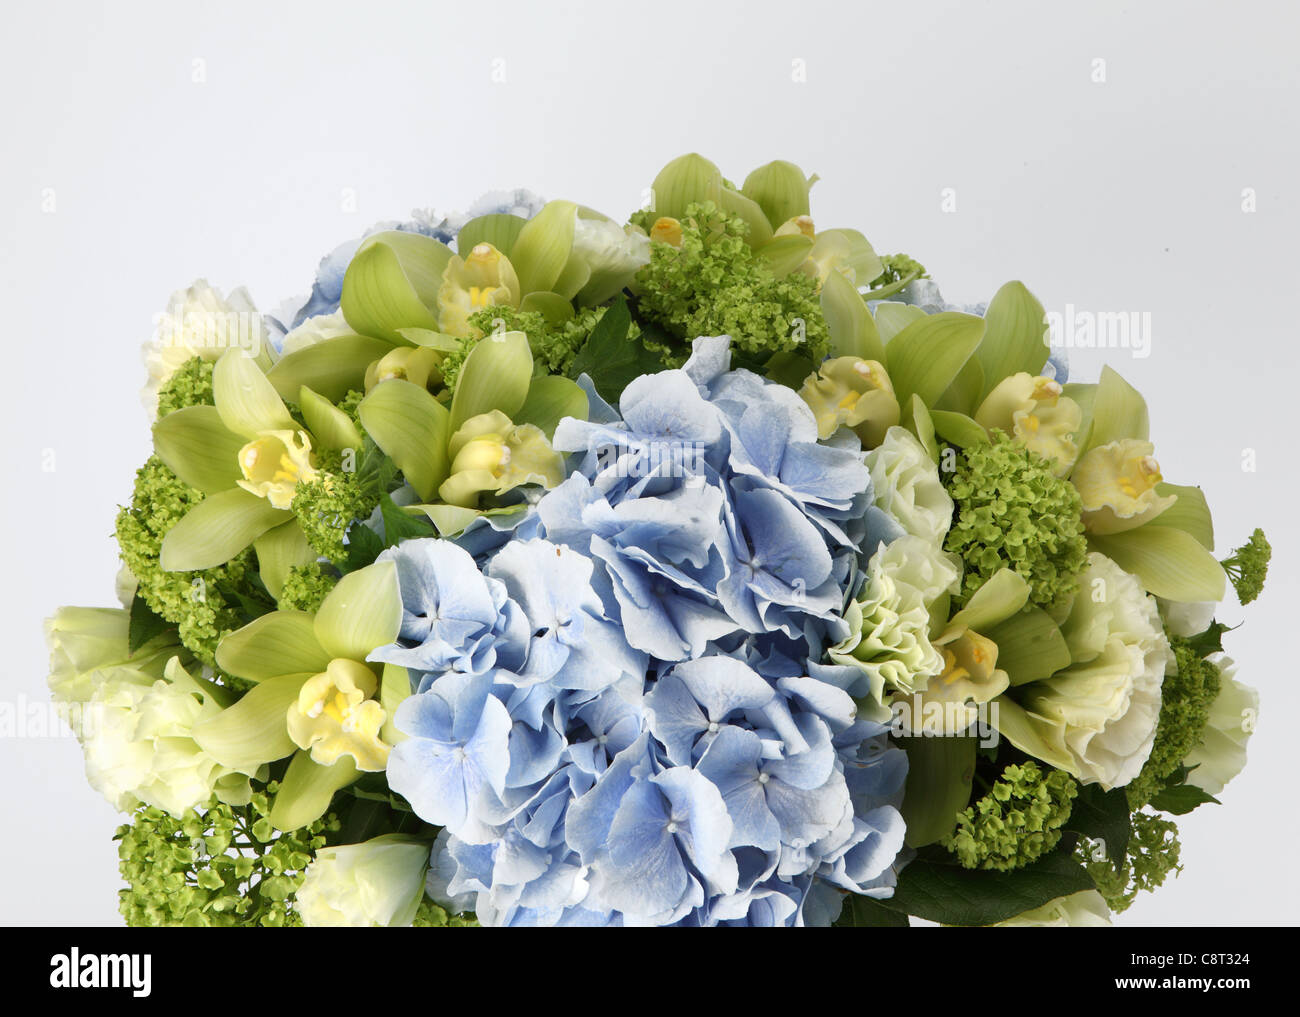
1033	734
330	426
550	399
892	318
1118	412
958	429
780	189
333	367
217	529
687	179
495	376
541	249
499	229
1005	593
927	355
1015	336
412	428
1170	562
392	282
1190	513
307	790
199	448
394	687
1030	646
853	330
278	643
252	731
246	400
786	253
361	613
278	551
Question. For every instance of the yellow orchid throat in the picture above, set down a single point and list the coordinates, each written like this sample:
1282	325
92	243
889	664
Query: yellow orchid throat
336	716
1117	485
274	463
483	278
854	393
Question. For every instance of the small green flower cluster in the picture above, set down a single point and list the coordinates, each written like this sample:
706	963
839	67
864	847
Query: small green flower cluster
226	866
1153	852
1017	822
553	345
1247	566
202	605
191	385
431	916
306	587
713	284
327	505
1012	511
1185	701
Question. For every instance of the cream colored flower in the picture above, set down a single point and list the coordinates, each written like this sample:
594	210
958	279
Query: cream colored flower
482	278
1033	410
906	484
1087	908
336	716
274	463
378	883
854	393
1117	486
1221	753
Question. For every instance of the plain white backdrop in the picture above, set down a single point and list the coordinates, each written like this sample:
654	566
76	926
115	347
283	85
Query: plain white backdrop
1108	154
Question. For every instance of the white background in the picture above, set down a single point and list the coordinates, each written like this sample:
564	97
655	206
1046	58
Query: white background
1125	194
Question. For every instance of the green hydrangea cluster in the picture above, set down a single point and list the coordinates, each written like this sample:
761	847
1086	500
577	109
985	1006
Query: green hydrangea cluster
1247	566
191	385
327	505
349	403
1185	701
1017	822
1153	852
714	284
1012	511
306	587
225	866
203	605
430	916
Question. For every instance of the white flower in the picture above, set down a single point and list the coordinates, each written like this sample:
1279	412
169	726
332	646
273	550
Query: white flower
1187	619
199	322
890	620
139	745
316	330
377	883
1221	753
907	486
612	254
1087	908
1097	718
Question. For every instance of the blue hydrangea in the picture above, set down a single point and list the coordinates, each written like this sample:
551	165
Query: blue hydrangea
618	715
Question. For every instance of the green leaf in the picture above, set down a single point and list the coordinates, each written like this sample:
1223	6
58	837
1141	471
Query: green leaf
958	429
392	283
1190	513
495	376
939	774
542	248
927	355
143	625
780	189
610	358
400	525
199	448
551	398
307	790
1030	646
499	229
330	426
281	642
1102	817
935	887
412	428
247	402
1015	336
362	612
1182	799
1118	411
862	912
1169	562
853	330
253	731
278	551
333	367
364	546
217	529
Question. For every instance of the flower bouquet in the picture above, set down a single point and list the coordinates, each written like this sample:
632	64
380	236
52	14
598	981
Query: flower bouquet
541	569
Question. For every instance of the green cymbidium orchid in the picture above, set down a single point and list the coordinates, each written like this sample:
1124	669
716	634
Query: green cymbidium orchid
313	697
1034	411
494	436
853	393
247	454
